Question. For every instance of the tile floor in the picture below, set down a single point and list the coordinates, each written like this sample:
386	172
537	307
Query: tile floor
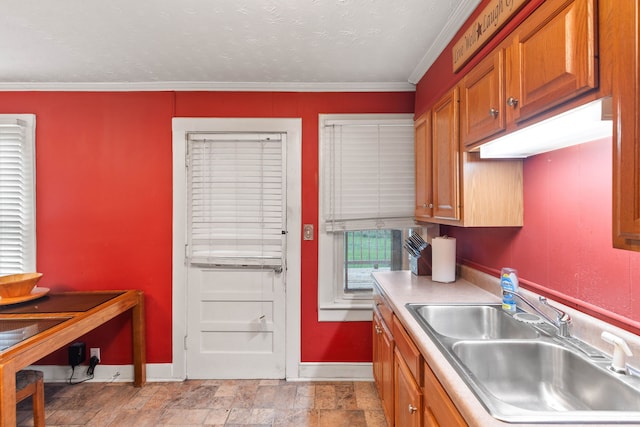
211	403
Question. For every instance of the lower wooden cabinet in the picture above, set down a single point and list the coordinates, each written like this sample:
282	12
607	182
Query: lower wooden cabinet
411	394
383	364
439	410
408	396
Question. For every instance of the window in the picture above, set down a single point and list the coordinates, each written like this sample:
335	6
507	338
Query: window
236	191
367	201
17	194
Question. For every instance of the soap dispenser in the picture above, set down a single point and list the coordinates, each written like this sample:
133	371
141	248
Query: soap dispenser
509	284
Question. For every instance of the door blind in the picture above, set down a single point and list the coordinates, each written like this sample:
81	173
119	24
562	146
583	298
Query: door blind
17	195
368	174
236	191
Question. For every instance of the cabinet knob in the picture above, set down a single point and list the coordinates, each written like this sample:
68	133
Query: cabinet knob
512	102
493	112
430	205
378	330
412	409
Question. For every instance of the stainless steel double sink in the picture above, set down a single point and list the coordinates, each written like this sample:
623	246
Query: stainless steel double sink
523	372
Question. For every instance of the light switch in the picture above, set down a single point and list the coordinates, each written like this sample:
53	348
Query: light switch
308	232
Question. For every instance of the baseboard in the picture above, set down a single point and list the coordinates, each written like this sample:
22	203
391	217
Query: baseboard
338	371
156	372
160	372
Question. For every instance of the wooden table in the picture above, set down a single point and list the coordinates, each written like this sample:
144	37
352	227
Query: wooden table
53	322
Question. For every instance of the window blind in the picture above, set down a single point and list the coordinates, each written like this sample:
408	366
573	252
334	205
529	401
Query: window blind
368	174
17	195
236	191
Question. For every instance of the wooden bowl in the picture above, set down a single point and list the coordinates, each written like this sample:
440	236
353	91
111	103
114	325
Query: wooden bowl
18	285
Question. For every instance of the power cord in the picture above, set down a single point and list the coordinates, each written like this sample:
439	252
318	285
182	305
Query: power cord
93	362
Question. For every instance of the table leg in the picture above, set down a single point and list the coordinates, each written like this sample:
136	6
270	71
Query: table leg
8	395
139	343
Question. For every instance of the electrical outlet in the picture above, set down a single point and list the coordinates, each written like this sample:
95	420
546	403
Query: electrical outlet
94	352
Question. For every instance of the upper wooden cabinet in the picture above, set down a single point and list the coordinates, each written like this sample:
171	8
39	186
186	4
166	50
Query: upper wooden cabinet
457	188
482	108
626	129
437	161
423	161
446	156
553	57
549	60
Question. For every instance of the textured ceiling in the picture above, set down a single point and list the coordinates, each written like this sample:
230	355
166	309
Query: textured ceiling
212	43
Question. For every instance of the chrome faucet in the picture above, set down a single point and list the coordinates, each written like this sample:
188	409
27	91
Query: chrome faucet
562	320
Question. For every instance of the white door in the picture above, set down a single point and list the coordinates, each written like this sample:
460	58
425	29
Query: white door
236	255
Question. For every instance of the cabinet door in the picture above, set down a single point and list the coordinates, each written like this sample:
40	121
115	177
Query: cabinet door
446	157
383	368
423	152
482	112
408	397
438	408
377	356
386	357
626	129
555	57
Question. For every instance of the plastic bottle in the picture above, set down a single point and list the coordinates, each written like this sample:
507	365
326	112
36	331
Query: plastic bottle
509	282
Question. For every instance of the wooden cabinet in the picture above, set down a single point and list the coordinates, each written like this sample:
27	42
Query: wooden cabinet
626	129
408	364
383	359
446	155
411	394
439	410
408	397
423	161
548	61
463	189
553	57
383	364
482	106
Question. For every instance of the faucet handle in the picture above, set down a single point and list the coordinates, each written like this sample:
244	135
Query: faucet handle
620	349
561	316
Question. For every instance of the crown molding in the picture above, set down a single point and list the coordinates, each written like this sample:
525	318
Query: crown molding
210	86
454	23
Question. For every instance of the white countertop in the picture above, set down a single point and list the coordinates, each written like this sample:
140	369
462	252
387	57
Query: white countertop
402	287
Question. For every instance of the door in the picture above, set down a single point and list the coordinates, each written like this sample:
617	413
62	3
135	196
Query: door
235	255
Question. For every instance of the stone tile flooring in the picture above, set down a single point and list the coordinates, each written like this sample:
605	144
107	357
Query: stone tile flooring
211	403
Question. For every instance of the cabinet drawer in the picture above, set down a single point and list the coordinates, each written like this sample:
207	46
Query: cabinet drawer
438	402
381	304
407	349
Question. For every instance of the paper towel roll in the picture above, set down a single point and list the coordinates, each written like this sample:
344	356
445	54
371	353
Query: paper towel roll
444	259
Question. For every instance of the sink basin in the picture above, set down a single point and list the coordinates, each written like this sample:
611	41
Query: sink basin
522	373
543	377
472	321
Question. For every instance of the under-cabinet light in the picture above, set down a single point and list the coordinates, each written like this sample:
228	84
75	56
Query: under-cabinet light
582	124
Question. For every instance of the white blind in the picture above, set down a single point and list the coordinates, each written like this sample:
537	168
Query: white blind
236	187
17	194
368	173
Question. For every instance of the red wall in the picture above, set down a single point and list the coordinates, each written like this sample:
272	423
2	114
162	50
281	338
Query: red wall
104	201
565	248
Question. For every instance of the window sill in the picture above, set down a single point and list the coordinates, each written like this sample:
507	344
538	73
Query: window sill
361	311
